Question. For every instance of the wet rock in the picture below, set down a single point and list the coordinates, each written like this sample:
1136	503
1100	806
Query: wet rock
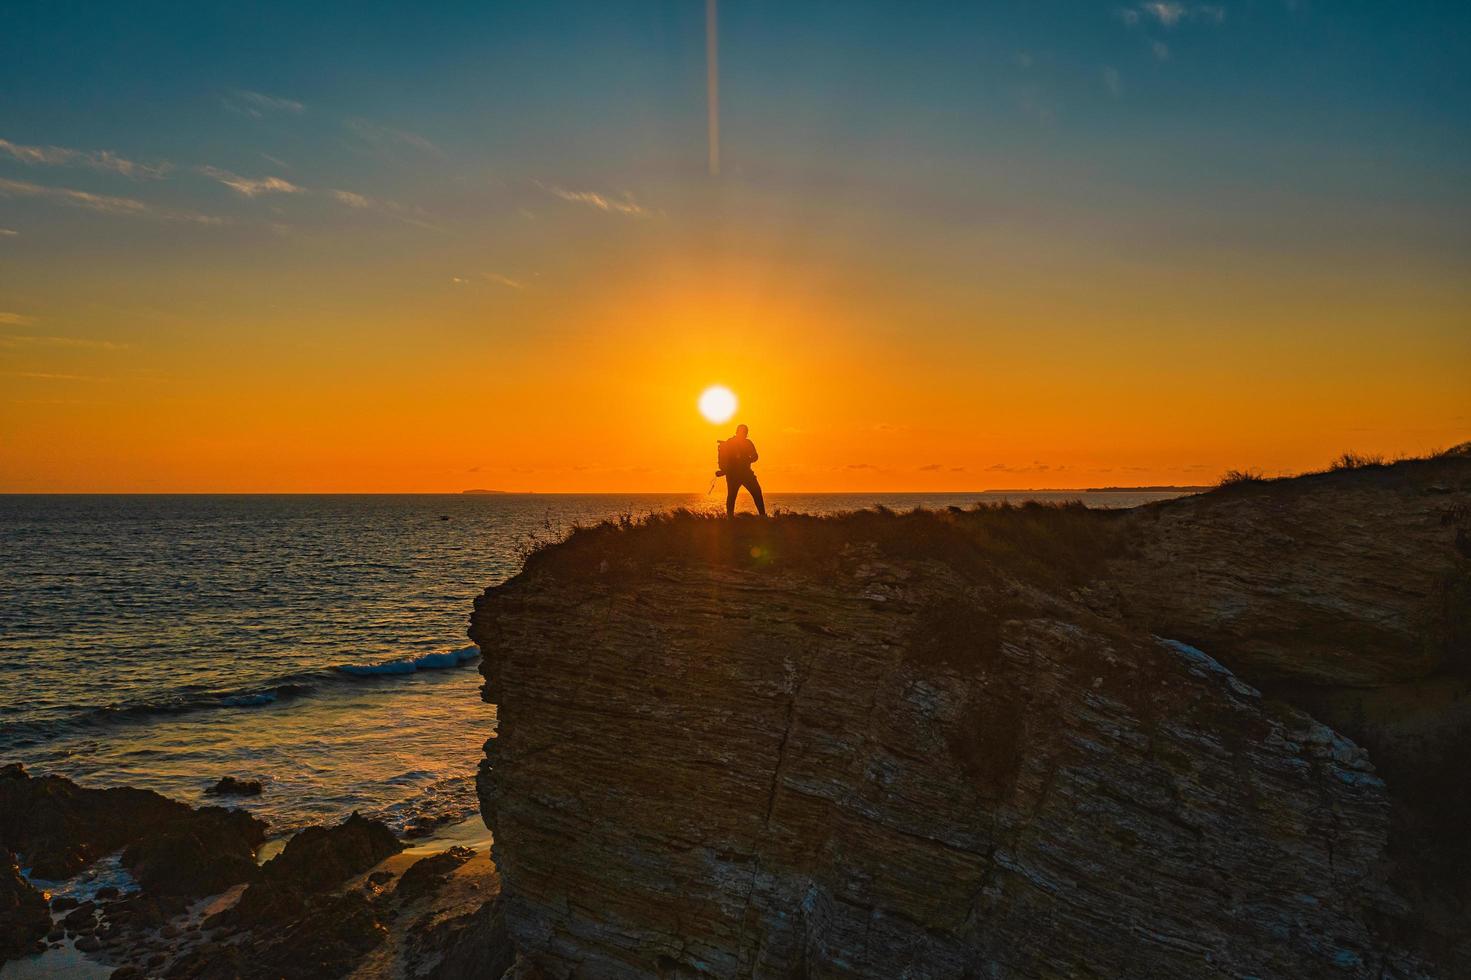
380	878
107	893
139	911
126	973
319	858
209	852
428	874
83	916
326	937
61	827
230	786
89	944
64	903
24	918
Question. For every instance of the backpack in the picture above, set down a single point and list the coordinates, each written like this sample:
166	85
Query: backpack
726	457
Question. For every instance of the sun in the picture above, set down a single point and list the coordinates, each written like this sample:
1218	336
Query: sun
717	403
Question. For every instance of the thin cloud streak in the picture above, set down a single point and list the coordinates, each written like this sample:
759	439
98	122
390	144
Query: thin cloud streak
1170	14
381	136
351	199
257	104
251	186
593	199
103	160
16	319
80	343
46	376
103	203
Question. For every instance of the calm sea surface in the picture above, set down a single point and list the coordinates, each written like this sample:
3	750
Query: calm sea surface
314	642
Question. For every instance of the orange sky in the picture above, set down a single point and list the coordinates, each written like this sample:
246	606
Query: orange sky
848	381
955	252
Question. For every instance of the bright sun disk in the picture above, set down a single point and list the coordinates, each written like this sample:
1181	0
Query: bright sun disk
717	403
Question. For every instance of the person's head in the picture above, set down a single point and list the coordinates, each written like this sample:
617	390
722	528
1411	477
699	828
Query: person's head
741	431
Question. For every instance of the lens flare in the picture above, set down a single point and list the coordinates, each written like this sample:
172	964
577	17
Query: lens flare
717	403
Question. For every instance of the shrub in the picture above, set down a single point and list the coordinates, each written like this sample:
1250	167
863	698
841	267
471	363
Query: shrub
1356	461
1233	477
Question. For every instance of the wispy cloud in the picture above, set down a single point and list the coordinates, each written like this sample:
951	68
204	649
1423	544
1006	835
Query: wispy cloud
8	233
16	319
625	205
251	186
506	281
1160	49
399	212
75	343
930	468
1170	13
257	104
104	203
351	199
387	136
1112	81
104	160
48	376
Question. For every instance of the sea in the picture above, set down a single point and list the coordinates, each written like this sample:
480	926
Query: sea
314	643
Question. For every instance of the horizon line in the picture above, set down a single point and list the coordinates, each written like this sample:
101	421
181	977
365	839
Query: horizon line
1148	488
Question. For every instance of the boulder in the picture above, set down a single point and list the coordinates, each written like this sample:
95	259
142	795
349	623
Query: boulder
24	917
230	786
319	858
60	828
428	874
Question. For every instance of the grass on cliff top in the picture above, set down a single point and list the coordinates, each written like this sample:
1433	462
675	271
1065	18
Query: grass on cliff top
1349	462
1053	544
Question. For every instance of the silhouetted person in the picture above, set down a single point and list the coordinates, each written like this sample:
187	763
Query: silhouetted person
736	455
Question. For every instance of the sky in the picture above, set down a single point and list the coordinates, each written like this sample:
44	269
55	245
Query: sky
431	247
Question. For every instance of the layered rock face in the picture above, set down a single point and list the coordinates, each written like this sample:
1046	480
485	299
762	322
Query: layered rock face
1344	579
931	745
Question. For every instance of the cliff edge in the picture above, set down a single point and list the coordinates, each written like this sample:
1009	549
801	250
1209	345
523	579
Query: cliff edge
1016	742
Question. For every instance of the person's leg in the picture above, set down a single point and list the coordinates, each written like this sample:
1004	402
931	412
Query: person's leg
732	487
755	488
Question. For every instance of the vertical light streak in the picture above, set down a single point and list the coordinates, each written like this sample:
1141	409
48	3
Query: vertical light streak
712	82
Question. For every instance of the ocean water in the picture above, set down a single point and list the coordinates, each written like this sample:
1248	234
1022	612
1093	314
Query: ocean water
316	643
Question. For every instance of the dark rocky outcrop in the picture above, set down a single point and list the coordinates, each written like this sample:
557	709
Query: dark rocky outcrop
468	947
230	786
316	860
25	918
319	858
975	744
60	828
428	873
326	937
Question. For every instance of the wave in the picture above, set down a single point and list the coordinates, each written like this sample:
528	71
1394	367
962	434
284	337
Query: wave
271	692
430	661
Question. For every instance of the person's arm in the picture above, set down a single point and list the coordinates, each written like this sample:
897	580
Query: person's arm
753	456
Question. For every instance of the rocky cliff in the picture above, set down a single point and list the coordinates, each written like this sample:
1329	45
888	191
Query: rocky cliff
1028	742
